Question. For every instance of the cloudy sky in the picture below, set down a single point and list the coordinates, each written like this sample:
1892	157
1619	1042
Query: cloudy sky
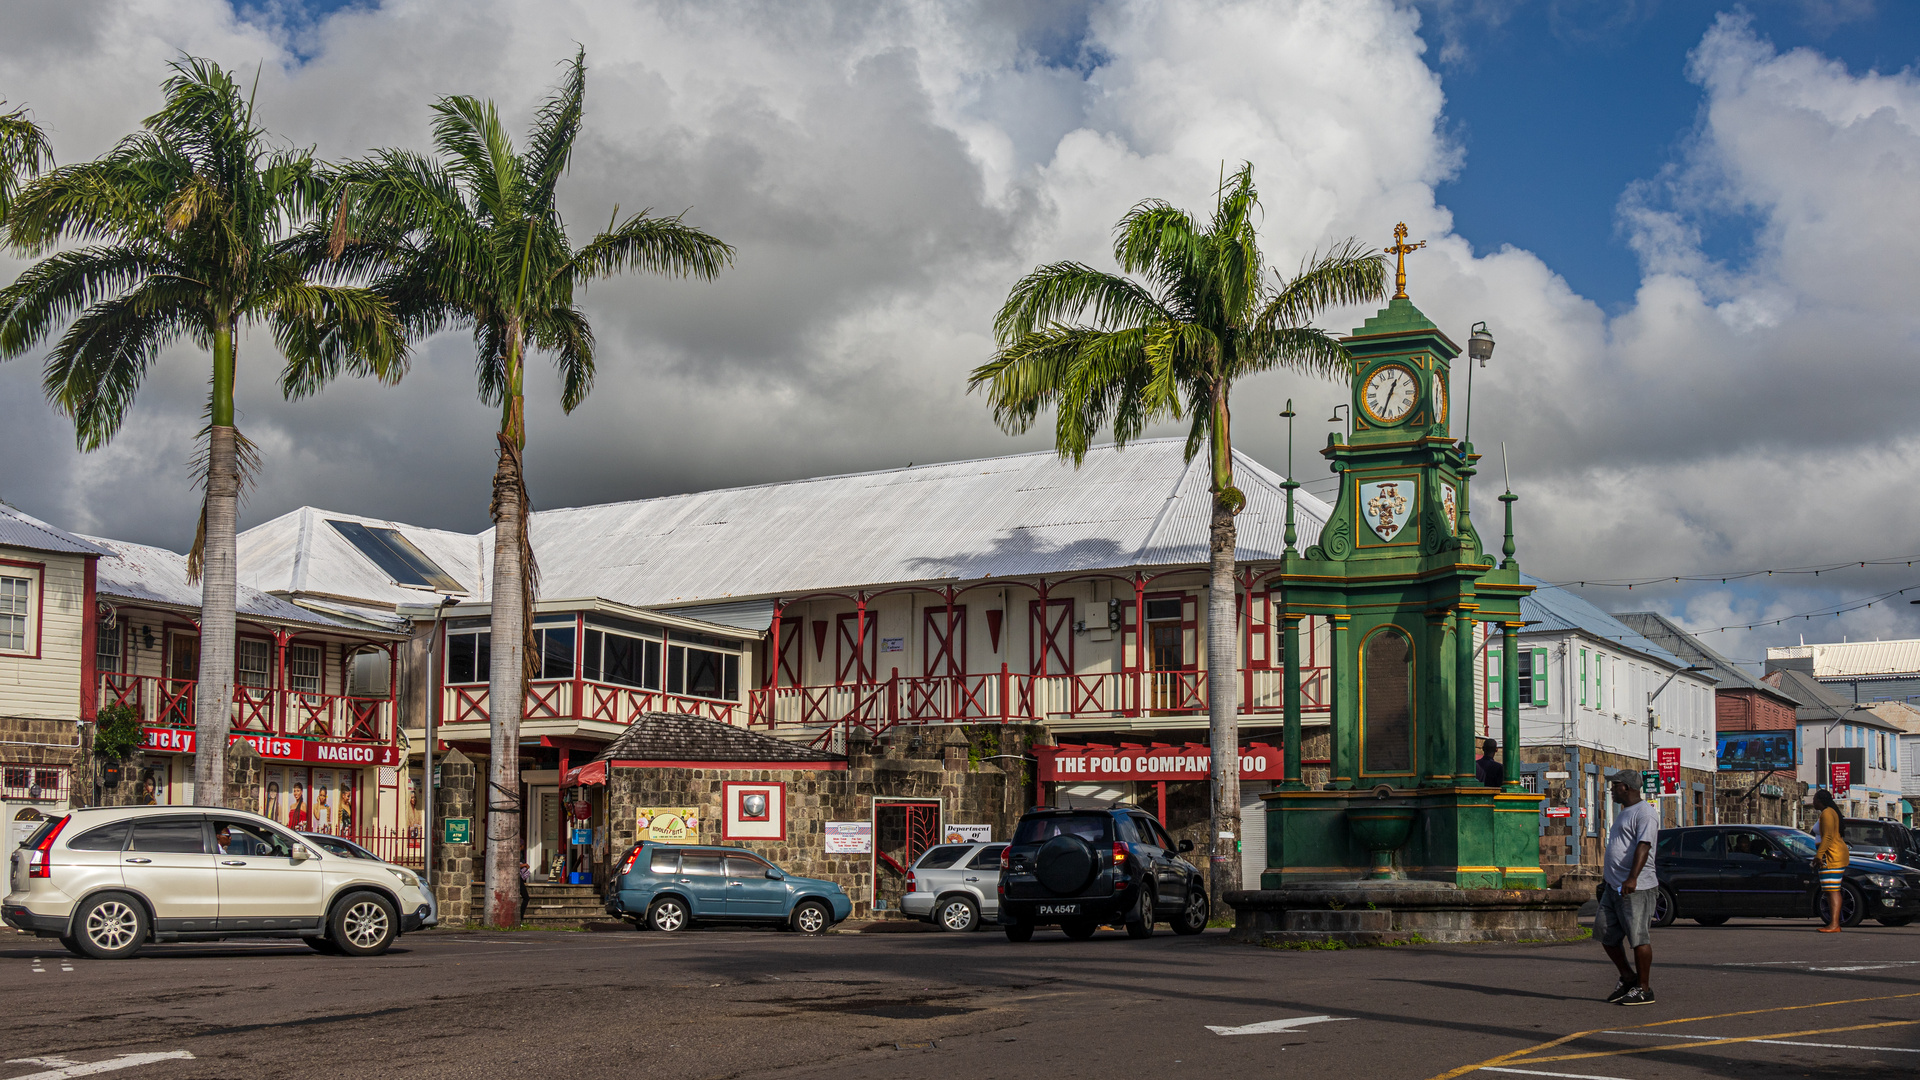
1694	230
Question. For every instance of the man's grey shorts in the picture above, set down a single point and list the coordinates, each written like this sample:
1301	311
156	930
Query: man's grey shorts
1624	918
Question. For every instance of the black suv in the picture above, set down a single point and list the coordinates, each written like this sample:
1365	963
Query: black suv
1081	869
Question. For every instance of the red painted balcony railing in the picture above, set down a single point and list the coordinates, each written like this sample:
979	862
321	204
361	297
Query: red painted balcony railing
555	699
161	702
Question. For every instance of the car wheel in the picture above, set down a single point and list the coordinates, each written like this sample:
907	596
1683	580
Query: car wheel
1193	917
364	924
669	915
1853	907
1710	920
322	946
811	917
1020	932
1664	909
112	926
1139	924
1079	929
958	914
1895	920
72	945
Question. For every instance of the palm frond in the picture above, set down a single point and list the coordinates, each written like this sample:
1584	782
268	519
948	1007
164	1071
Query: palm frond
565	333
554	128
325	331
25	150
467	131
1349	273
1301	349
96	368
658	245
1063	291
49	293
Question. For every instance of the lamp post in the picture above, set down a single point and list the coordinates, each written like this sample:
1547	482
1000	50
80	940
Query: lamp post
1479	348
1652	764
1340	417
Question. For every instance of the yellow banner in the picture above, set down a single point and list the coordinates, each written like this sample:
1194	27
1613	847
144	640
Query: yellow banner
668	824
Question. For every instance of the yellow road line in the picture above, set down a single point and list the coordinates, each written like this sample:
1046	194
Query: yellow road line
1710	1042
1503	1059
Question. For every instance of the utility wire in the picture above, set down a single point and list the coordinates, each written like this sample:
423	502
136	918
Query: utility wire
1738	575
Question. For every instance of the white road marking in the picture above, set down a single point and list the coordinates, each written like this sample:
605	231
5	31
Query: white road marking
1775	1042
1868	967
1267	1027
1873	966
1538	1073
124	1061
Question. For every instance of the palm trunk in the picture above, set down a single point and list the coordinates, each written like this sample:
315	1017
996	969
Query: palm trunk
1223	697
507	669
213	698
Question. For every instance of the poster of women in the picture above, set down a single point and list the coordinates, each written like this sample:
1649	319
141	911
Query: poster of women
270	798
298	817
343	814
323	800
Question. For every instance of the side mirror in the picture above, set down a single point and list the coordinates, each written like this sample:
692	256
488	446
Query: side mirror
1186	845
300	853
774	873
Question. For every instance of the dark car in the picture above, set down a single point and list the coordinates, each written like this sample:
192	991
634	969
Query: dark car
1710	873
1081	869
670	887
1882	841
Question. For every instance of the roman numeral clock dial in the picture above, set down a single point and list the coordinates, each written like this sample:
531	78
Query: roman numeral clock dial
1390	394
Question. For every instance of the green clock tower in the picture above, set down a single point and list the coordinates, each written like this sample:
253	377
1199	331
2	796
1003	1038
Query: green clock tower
1403	580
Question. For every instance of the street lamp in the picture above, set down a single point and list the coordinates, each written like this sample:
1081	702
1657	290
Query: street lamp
1340	418
1480	348
1652	764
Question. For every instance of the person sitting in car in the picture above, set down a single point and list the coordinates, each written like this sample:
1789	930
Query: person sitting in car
223	841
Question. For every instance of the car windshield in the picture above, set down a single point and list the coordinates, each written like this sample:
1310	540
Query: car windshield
1093	828
333	845
1797	842
939	858
1871	835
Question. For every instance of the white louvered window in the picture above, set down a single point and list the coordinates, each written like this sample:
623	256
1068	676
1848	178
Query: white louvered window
16	594
303	668
253	662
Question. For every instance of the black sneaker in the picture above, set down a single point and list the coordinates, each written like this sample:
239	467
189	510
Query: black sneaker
1637	996
1619	992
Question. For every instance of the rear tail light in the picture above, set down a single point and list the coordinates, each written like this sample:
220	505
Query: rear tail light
632	857
1120	856
40	859
1006	857
913	883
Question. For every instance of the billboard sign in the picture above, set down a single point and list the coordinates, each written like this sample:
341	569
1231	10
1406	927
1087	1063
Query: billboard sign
1842	779
1667	758
1753	751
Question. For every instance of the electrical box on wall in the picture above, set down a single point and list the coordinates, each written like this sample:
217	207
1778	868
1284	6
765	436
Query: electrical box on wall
1102	619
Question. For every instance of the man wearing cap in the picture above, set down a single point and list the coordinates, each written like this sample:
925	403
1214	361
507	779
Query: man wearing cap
1628	889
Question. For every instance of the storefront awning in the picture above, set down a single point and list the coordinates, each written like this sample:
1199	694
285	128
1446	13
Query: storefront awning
1157	761
594	772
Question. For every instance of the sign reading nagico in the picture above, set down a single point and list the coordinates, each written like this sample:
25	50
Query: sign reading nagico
175	740
1258	761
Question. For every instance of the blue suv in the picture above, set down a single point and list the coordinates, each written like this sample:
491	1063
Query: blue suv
670	887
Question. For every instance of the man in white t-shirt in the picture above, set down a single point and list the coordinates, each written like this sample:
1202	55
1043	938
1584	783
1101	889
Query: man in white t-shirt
1628	890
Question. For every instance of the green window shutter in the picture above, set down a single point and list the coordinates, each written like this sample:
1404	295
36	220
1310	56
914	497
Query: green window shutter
1540	678
1493	678
1583	676
1599	691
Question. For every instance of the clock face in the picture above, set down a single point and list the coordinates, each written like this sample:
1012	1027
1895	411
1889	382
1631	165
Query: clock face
1439	400
1389	394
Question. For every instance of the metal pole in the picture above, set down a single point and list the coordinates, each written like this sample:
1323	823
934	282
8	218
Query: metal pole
433	733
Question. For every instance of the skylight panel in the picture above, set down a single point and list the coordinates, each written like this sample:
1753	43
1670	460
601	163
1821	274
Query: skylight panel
404	564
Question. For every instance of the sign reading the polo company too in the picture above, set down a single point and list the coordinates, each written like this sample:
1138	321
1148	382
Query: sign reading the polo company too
849	837
1387	505
668	824
1258	761
458	830
1668	759
176	740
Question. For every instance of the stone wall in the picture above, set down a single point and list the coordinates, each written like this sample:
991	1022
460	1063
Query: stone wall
455	866
50	744
1762	807
980	776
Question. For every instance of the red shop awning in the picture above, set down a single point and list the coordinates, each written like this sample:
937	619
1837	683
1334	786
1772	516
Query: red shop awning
1155	761
594	772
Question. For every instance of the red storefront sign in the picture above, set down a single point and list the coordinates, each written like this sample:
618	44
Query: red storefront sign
1258	761
1560	811
1668	759
176	740
1842	777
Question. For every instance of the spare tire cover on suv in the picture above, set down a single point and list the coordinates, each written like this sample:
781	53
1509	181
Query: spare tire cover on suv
1065	864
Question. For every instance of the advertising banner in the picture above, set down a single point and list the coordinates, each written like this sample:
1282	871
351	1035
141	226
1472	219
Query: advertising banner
668	824
849	837
1158	761
180	741
1842	778
1668	760
1752	751
969	834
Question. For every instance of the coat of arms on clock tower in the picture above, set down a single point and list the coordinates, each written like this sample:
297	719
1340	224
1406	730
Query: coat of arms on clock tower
1387	505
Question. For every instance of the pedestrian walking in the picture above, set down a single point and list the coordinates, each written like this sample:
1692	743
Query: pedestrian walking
1833	856
1628	890
1489	770
526	876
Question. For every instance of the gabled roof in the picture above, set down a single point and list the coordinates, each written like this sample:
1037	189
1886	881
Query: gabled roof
1855	659
22	530
1554	608
1024	514
1670	636
1818	704
658	736
150	575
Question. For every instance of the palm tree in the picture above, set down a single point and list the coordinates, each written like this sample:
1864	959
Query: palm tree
475	239
1169	344
24	150
187	229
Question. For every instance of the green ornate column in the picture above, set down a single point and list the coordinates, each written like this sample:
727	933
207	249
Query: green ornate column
1510	701
1466	712
1290	693
1343	732
1435	726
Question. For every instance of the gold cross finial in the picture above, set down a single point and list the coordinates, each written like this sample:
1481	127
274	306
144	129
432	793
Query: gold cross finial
1400	251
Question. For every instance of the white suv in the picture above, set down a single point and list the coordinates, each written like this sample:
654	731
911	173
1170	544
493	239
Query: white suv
107	880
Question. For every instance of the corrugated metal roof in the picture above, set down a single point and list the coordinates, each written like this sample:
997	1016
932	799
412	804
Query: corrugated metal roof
1024	514
142	574
1671	636
22	530
754	615
298	554
1561	609
1855	659
1818	703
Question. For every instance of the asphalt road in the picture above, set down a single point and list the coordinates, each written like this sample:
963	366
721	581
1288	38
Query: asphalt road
739	1003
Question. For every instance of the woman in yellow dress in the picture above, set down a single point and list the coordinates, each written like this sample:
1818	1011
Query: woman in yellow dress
1832	855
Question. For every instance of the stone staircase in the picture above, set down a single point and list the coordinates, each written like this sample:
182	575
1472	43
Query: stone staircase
556	907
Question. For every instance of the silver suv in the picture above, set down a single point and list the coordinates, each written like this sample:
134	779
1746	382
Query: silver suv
107	880
955	886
